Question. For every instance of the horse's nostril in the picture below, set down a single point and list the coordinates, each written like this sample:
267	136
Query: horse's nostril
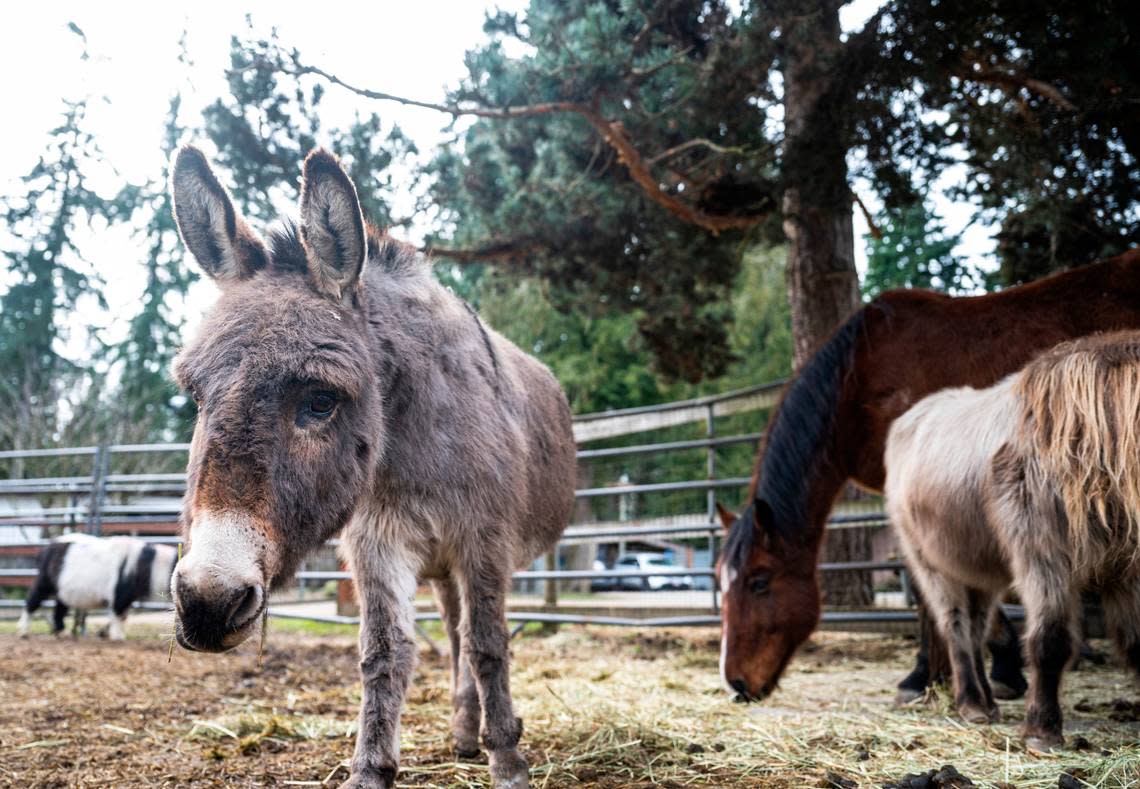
741	687
245	605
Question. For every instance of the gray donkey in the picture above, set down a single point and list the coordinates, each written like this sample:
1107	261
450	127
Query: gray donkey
341	389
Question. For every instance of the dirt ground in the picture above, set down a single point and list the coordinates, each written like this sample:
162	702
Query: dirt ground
602	707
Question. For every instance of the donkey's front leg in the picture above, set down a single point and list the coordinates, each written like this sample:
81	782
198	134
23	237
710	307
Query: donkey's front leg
485	644
387	660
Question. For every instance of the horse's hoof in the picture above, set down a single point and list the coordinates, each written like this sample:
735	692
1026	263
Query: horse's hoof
972	713
1005	692
1043	743
907	696
509	770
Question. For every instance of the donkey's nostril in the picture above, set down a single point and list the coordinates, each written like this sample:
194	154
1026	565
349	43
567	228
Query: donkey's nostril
245	605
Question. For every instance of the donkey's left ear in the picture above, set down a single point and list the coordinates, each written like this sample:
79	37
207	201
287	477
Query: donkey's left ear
332	226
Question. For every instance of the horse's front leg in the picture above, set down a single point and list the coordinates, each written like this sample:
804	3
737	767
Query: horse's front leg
485	645
385	586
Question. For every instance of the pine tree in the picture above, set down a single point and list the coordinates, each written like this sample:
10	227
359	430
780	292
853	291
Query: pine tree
913	250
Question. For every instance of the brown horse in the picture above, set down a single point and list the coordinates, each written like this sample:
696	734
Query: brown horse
1034	481
831	426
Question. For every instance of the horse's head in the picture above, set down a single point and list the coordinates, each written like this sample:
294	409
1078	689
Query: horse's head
769	600
288	403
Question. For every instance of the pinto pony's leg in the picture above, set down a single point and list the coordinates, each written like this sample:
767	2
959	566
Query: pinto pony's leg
1050	642
40	591
485	644
115	626
386	585
464	694
58	615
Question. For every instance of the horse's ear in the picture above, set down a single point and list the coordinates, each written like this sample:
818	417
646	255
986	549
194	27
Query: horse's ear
332	226
216	235
727	517
764	519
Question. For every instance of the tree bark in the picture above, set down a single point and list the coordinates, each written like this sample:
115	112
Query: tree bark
823	287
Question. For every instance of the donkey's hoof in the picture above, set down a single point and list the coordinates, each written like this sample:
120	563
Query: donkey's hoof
371	779
1043	742
466	751
509	770
906	696
1005	692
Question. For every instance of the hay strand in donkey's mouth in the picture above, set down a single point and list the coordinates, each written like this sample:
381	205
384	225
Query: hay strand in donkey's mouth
264	627
174	624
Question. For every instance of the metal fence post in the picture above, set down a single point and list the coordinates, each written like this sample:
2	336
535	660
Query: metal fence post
710	494
101	465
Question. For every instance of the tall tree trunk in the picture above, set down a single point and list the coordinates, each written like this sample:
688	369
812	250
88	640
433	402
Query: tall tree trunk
823	287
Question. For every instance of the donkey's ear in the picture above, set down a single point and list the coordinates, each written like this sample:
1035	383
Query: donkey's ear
220	240
332	226
727	518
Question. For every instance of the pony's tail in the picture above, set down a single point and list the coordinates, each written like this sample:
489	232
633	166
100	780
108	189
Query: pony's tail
1081	417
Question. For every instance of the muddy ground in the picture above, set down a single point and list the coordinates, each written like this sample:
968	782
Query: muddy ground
602	707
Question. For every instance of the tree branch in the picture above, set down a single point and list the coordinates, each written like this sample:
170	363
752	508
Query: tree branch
489	251
980	72
612	132
701	142
875	231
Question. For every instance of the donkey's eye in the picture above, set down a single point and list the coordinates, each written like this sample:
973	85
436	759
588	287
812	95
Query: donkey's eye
320	405
758	584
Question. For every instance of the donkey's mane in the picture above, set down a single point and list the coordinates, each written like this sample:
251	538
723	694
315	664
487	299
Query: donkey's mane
796	442
287	251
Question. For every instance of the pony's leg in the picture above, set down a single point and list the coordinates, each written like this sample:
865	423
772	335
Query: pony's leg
41	590
485	645
914	684
115	626
1122	615
982	606
1006	676
1050	641
464	694
386	585
57	617
79	623
950	604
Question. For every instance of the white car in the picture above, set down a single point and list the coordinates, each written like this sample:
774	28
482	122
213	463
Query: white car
646	562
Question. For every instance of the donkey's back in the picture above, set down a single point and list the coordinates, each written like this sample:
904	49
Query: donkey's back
478	433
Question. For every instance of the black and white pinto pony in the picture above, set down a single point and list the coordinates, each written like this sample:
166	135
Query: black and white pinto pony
1034	481
83	573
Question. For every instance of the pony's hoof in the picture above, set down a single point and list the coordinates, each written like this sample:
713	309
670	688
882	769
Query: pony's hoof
1005	692
907	696
1043	743
509	770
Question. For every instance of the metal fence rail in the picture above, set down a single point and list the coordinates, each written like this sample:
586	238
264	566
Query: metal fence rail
91	505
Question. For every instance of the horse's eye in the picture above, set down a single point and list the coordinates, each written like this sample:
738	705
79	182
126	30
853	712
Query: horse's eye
321	404
758	584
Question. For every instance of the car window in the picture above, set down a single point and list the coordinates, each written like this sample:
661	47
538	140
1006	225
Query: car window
629	561
659	561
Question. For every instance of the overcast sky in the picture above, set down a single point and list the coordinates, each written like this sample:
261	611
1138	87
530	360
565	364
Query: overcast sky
414	49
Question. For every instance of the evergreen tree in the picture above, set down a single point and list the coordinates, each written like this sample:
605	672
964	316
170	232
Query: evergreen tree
914	250
46	389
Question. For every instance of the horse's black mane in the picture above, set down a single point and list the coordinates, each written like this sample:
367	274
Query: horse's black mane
796	442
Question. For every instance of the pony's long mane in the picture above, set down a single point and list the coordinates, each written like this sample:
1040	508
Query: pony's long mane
1080	418
797	441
